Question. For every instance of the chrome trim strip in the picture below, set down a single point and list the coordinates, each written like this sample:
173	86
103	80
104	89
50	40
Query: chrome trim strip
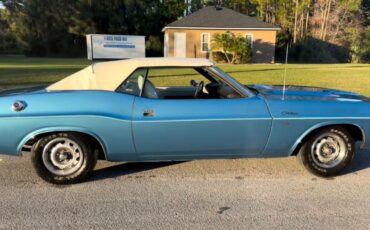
200	120
320	118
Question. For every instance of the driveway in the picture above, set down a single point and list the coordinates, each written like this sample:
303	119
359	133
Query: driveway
210	194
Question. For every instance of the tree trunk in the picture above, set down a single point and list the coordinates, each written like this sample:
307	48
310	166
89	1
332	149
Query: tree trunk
301	25
306	26
273	20
326	21
233	58
323	16
186	12
339	24
226	56
295	22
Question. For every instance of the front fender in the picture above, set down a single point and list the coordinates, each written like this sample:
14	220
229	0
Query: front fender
322	125
288	134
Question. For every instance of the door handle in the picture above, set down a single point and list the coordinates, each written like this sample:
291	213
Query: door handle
148	113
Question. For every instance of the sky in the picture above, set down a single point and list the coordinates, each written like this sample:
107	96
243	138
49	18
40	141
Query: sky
1	5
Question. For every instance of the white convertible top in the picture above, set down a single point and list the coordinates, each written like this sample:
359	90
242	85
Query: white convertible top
109	75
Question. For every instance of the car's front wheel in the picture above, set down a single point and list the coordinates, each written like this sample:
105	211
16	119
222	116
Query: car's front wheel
63	158
328	152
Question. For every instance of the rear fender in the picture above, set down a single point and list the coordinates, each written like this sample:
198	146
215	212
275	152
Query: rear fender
35	133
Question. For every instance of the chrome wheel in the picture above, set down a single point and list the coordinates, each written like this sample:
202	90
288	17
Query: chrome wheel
328	150
62	156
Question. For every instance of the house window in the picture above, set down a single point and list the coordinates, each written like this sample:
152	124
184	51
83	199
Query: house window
165	45
205	42
249	38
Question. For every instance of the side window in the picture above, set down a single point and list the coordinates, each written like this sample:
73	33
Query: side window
174	76
186	83
134	83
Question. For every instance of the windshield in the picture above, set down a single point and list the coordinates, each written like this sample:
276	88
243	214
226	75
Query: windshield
232	81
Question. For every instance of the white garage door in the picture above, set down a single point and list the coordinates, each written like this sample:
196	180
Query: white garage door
180	44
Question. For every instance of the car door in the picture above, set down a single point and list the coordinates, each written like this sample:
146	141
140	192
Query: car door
201	128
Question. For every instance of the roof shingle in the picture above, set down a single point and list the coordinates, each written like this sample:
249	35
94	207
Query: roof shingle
222	17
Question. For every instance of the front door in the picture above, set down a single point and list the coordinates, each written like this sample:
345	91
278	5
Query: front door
180	44
175	129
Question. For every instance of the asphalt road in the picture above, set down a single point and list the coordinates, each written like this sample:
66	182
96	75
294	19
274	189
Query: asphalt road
213	194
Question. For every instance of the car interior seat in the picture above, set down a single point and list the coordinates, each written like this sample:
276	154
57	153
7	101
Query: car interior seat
149	88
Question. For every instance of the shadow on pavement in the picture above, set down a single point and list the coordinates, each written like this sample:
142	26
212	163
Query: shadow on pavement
127	169
360	162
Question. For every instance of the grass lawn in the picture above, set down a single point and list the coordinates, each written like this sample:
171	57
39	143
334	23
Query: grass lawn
18	71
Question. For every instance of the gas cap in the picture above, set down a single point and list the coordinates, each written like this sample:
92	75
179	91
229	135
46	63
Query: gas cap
18	106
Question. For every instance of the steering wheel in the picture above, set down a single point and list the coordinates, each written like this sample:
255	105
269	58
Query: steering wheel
199	90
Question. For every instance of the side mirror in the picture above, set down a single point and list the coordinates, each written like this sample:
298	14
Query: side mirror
193	83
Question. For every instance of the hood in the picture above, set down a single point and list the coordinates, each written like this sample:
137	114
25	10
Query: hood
293	92
14	92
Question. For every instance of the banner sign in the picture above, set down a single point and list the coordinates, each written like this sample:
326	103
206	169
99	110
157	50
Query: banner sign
105	46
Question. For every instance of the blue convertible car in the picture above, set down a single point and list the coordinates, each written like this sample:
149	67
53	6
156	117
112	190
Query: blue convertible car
170	109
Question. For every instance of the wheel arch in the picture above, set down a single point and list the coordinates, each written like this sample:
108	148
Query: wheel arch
33	137
356	131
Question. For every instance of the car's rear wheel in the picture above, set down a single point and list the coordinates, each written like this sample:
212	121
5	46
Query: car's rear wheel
63	158
328	152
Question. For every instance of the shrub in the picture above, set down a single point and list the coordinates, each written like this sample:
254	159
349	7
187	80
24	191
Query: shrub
154	46
219	57
311	50
235	49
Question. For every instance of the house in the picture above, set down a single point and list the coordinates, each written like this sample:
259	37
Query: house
191	36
